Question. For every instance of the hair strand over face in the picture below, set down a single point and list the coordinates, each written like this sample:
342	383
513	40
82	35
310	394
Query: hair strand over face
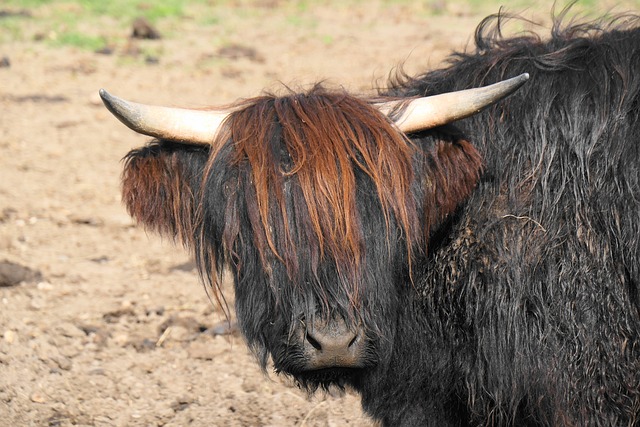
305	154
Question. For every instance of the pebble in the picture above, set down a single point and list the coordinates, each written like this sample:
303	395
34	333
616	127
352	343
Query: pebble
63	362
9	336
44	286
12	274
96	371
100	337
223	328
37	304
38	397
142	29
120	339
184	328
71	351
182	403
158	311
7	395
70	330
144	344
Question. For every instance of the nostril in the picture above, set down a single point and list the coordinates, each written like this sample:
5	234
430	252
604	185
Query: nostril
314	343
353	341
331	344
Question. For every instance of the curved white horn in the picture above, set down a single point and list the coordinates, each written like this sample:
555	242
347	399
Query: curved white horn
179	124
431	111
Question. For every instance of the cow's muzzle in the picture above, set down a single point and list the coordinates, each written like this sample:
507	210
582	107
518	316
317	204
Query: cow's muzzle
331	343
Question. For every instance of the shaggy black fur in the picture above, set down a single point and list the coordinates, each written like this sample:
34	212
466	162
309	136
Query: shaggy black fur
533	291
526	308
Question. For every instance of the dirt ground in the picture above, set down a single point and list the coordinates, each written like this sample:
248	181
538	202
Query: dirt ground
117	330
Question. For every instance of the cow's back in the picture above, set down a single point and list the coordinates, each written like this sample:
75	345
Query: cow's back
540	267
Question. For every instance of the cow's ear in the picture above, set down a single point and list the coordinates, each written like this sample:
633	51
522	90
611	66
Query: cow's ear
451	170
160	184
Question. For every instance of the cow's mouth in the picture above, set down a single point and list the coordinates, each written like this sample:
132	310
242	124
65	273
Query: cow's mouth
327	378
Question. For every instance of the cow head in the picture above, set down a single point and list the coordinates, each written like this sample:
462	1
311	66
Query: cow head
319	203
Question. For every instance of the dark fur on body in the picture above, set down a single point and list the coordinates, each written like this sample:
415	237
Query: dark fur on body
535	286
525	310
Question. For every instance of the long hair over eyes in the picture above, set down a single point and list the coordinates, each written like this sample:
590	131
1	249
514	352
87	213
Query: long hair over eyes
302	155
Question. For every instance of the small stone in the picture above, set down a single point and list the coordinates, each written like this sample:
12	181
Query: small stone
9	336
38	397
106	50
63	362
100	337
7	395
121	339
223	328
182	403
71	351
86	220
12	274
144	345
142	29
37	304
158	311
188	325
114	316
69	330
96	371
44	286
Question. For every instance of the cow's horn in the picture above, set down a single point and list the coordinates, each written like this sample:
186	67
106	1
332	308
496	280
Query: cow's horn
431	111
178	124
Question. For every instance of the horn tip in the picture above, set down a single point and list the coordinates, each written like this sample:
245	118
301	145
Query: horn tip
107	99
119	108
517	82
104	95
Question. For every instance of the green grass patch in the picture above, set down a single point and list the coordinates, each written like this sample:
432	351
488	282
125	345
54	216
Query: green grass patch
90	24
123	9
23	4
81	23
79	40
11	29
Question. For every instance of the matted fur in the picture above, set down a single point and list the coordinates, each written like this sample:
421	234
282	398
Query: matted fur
539	277
315	201
306	159
313	143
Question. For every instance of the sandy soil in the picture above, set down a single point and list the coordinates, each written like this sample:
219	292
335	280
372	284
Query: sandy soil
117	330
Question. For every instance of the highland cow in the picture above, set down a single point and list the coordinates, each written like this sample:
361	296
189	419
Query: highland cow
482	272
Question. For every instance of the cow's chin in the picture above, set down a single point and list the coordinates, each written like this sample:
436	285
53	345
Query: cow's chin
313	372
328	379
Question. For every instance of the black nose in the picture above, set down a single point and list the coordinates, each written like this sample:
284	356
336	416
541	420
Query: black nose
333	344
